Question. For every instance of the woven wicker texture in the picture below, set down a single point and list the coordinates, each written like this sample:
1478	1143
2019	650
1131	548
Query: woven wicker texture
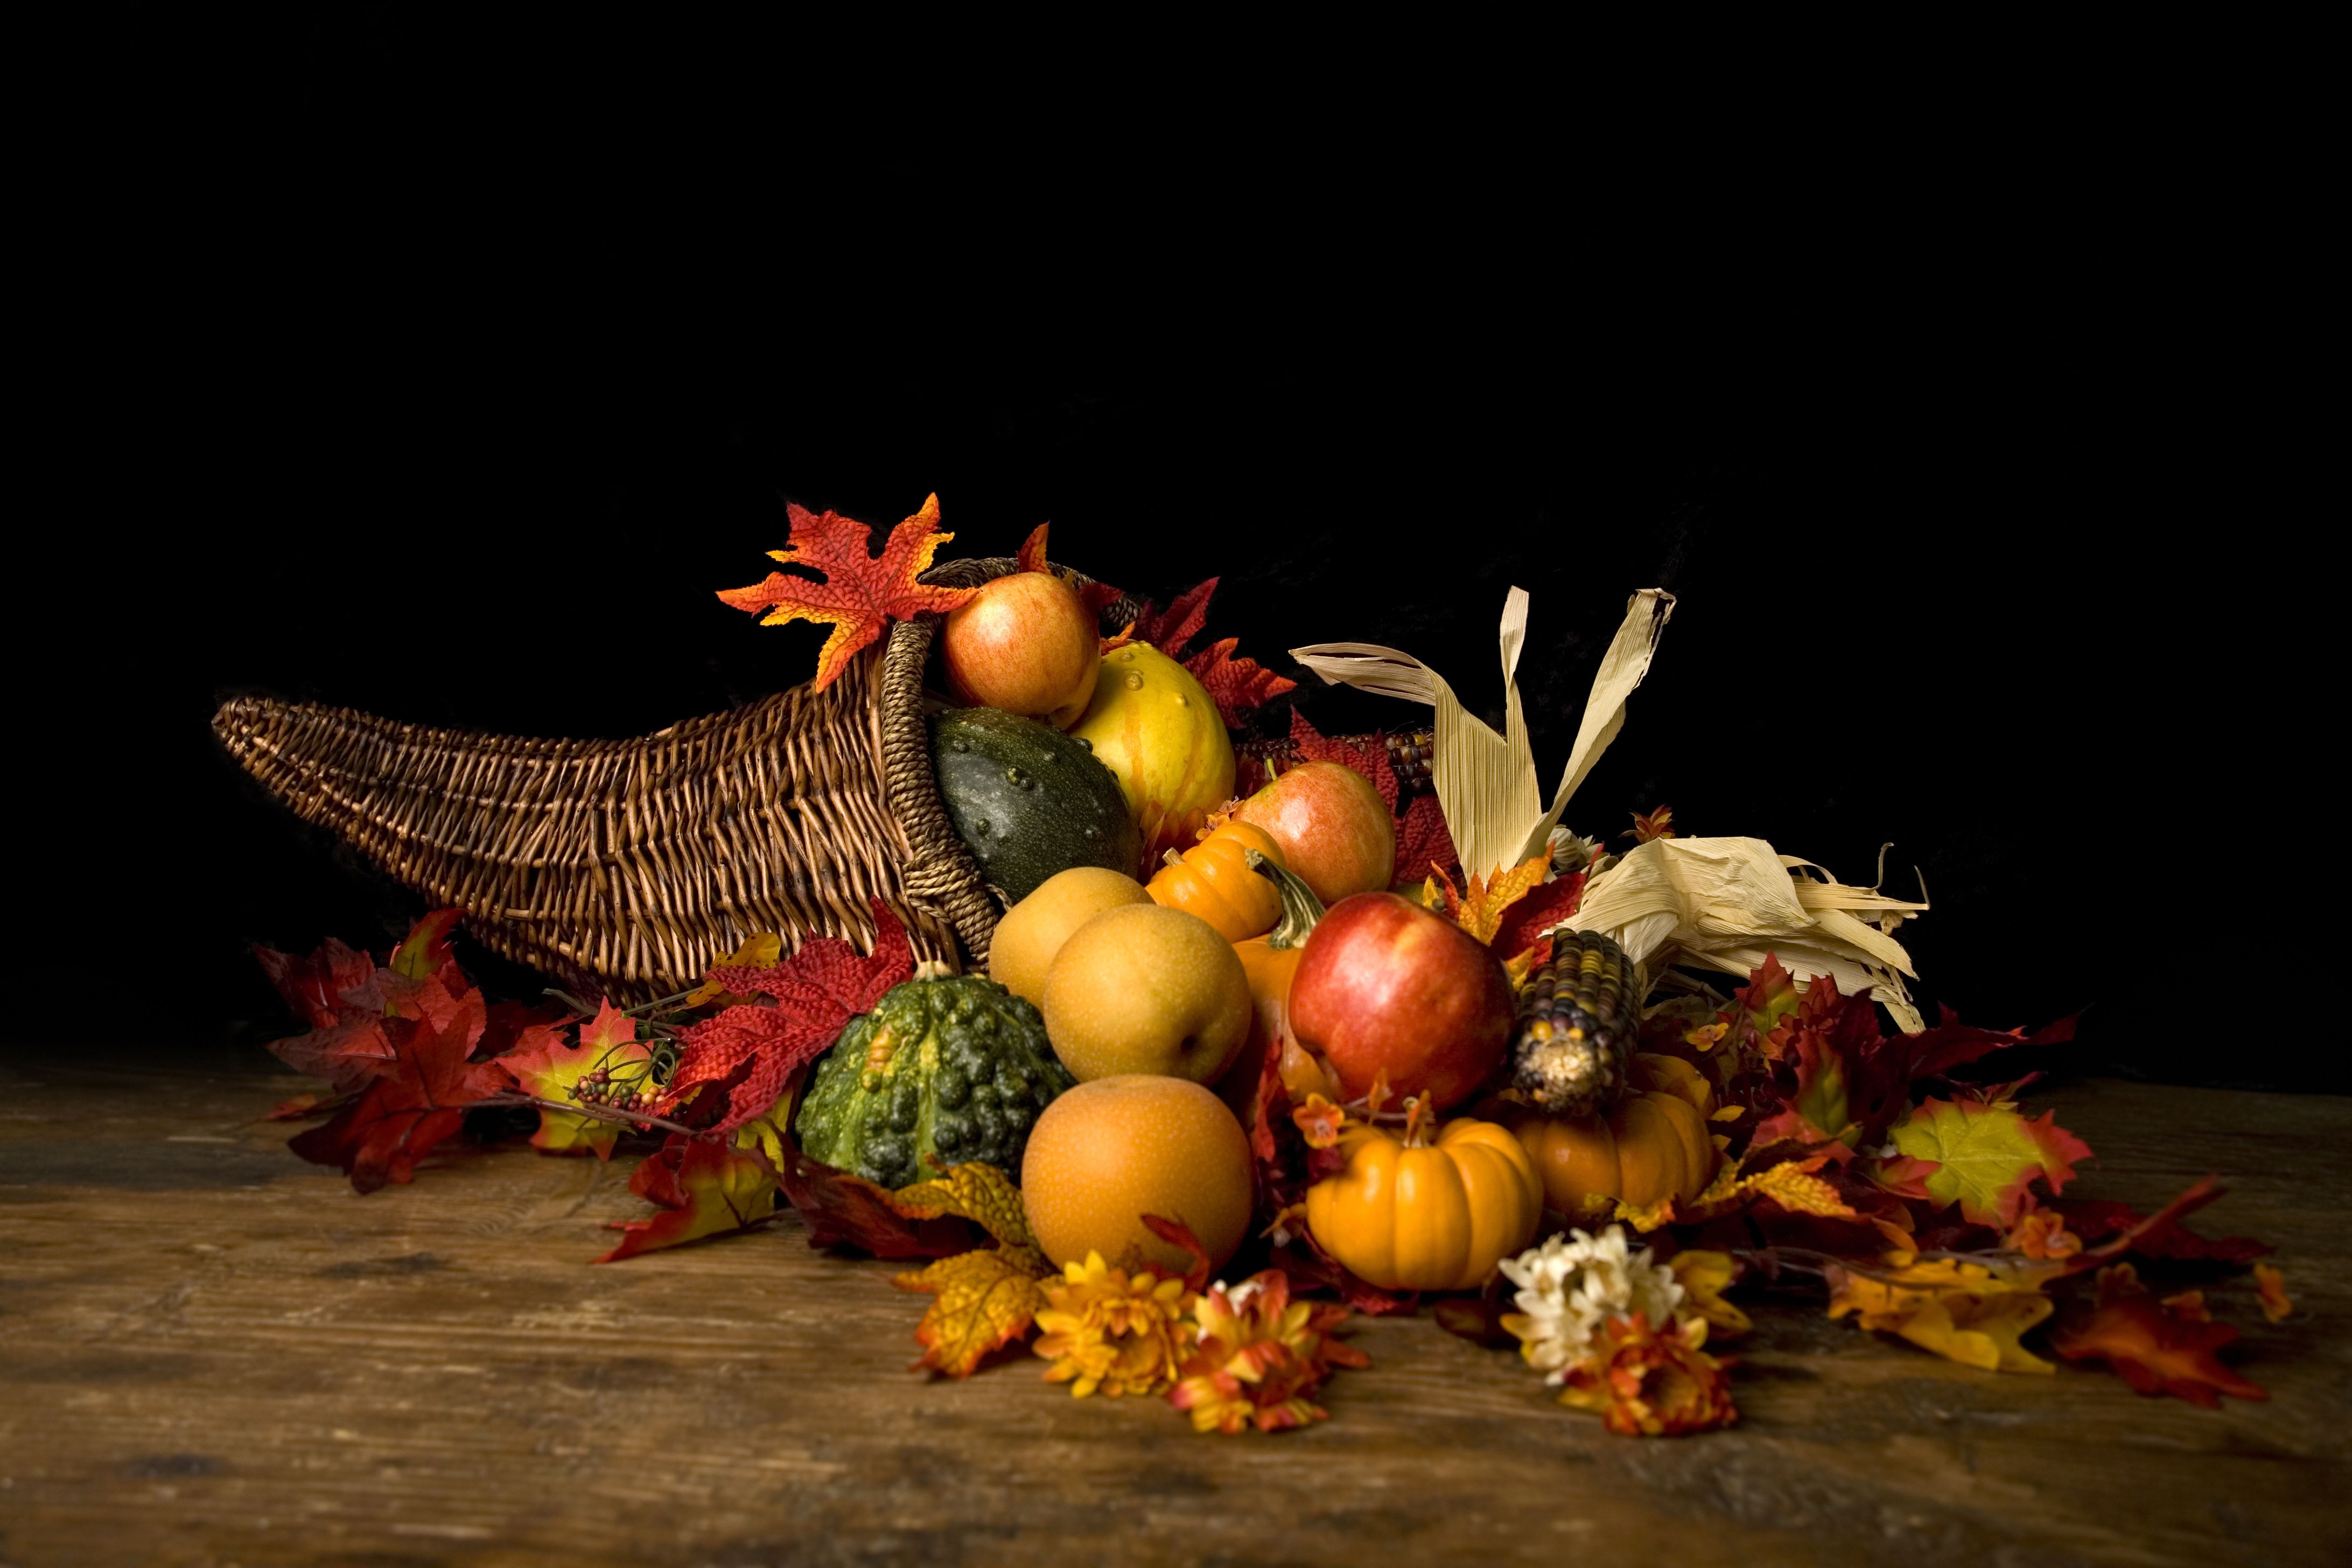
629	867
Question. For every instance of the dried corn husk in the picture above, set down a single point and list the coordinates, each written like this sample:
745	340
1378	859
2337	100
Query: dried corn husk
1487	782
1726	904
1713	903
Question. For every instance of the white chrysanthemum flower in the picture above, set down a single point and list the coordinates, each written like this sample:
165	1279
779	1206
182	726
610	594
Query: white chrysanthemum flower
1568	1288
1571	851
1240	1296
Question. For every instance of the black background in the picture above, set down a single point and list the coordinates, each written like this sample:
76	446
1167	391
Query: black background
446	377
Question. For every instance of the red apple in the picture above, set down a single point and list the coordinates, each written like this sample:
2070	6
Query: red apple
1333	826
1383	985
1023	644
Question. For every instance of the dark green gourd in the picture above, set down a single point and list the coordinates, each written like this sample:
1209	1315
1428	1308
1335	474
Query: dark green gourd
1027	800
955	1069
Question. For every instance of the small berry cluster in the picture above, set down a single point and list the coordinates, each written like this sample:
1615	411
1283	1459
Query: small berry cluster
601	1088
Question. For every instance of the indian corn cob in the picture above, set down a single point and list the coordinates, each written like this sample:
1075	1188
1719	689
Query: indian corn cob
1410	754
1577	1020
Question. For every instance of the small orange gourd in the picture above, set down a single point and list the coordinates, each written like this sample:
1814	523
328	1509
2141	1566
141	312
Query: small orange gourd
1655	1146
1270	962
1410	1215
1213	880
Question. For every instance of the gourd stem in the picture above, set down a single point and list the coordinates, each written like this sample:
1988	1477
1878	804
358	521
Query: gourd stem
1300	908
1418	1122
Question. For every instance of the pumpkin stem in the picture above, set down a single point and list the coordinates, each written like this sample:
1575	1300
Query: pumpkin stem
1300	908
1171	857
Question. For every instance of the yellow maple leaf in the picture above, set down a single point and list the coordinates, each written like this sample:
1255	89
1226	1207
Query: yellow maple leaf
762	1133
1704	1276
975	1191
981	1301
1790	1183
1959	1311
758	953
1794	1188
1645	1220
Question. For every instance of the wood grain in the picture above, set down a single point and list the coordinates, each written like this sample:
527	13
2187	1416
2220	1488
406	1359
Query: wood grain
214	1354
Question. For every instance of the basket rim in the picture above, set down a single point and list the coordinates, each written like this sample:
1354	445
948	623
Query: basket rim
939	869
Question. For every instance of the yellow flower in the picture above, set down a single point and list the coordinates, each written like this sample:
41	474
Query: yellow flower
1107	1329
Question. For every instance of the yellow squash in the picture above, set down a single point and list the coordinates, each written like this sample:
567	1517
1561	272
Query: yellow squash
1160	735
1427	1216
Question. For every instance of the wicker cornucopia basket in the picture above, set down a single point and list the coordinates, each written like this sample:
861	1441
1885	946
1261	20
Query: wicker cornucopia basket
628	867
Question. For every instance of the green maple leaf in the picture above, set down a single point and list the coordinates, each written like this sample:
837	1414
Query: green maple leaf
1987	1155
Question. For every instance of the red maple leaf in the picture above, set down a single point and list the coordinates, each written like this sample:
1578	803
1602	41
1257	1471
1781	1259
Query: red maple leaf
314	986
708	1189
328	990
811	998
859	592
516	1026
1424	846
1169	630
1239	686
1371	760
1309	1268
2157	1347
426	950
2117	1229
1952	1043
845	1210
1032	554
1096	596
1659	824
415	1103
1528	918
1179	1235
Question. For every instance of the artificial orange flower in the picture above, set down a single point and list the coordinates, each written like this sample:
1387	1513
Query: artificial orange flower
1646	1384
2041	1234
1260	1356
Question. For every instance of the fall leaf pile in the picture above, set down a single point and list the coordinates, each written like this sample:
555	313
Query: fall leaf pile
1271	1023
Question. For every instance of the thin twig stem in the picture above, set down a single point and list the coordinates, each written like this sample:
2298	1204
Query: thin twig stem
594	1113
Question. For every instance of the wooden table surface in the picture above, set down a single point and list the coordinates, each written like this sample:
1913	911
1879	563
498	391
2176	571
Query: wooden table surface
212	1354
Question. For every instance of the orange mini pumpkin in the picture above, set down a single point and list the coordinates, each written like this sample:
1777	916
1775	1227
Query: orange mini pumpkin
1269	961
1654	1145
1213	880
1411	1216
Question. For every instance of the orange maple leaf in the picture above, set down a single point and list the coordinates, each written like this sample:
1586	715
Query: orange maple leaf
2276	1304
1032	556
1480	907
2154	1349
987	1298
983	1300
859	592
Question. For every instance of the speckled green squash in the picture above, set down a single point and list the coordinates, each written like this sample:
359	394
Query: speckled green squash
1029	801
957	1068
